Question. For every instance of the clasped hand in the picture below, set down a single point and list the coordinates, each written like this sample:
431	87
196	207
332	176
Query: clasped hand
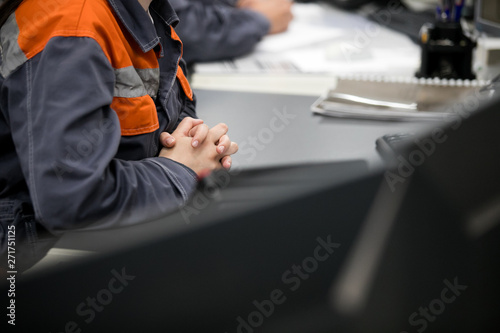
199	147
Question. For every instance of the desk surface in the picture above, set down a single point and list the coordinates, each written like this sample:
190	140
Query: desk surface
276	129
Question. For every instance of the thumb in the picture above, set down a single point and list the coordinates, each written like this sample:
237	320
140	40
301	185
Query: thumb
167	140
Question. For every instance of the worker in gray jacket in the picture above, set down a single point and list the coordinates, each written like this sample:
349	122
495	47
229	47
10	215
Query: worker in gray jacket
97	119
222	29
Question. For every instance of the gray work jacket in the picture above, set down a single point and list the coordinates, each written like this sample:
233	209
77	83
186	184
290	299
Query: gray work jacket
86	88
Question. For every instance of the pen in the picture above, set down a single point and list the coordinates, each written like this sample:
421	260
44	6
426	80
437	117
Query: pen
440	10
447	9
439	13
459	4
443	10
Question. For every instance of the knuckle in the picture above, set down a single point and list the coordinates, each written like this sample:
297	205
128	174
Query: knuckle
202	129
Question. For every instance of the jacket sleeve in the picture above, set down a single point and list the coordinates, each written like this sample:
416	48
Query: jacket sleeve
212	32
67	141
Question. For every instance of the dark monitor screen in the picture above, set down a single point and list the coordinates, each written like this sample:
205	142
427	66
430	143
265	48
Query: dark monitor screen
488	16
428	257
490	11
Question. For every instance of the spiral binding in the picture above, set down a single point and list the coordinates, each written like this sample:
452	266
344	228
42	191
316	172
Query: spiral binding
413	80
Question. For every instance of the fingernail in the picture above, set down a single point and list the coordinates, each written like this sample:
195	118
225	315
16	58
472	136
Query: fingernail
220	149
195	143
170	141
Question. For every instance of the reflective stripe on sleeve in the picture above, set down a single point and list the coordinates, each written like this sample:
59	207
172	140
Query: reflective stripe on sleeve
12	55
132	82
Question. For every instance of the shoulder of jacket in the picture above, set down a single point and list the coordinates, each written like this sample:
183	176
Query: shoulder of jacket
38	22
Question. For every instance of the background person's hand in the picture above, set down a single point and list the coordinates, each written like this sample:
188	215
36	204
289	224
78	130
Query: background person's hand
278	12
214	152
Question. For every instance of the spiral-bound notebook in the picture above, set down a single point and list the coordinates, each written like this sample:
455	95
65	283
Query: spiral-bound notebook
394	98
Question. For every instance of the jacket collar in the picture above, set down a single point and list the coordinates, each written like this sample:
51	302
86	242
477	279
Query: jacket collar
137	21
165	12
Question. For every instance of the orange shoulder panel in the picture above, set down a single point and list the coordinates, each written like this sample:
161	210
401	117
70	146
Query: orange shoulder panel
39	21
180	73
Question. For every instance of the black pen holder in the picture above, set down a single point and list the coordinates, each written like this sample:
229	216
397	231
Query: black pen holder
446	52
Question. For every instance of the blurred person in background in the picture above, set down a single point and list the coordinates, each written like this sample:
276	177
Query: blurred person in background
214	30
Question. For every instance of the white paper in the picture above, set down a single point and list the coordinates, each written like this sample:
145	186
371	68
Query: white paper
322	39
297	36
